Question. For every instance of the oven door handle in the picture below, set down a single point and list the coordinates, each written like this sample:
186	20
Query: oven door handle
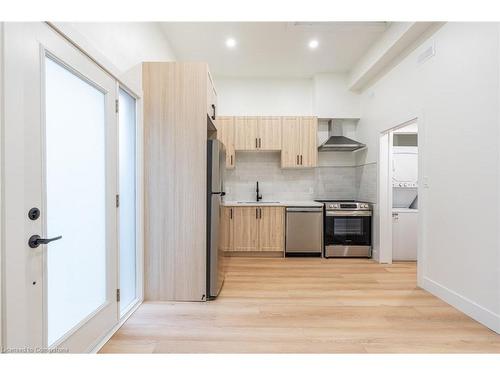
349	213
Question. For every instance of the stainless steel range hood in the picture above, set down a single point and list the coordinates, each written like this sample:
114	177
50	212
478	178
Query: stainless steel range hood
338	142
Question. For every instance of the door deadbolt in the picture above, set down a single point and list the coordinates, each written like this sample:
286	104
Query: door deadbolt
34	213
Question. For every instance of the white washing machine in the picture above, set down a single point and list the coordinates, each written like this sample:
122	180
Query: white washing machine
404	234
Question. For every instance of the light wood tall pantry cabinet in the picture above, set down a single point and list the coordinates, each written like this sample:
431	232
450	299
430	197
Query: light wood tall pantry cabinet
246	228
179	106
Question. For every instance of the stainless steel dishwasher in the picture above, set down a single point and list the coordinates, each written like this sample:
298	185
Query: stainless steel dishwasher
304	231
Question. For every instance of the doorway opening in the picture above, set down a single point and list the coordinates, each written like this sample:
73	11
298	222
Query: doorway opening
398	193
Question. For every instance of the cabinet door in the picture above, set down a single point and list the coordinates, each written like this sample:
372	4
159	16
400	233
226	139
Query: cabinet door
404	236
246	133
225	134
226	229
271	228
308	142
290	145
211	99
245	229
269	133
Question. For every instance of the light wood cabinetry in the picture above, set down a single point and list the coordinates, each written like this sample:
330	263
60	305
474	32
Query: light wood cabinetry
253	229
294	136
246	130
175	163
290	147
211	98
257	133
269	136
271	228
309	141
226	228
299	145
225	134
245	229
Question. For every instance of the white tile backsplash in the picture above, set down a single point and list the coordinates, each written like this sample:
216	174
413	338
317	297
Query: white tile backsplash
338	182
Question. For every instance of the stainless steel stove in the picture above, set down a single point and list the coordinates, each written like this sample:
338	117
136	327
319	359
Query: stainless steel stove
347	228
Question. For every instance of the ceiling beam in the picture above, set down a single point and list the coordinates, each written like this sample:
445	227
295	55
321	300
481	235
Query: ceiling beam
397	38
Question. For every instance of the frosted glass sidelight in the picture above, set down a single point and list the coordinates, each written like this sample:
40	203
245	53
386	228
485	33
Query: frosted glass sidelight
127	159
75	193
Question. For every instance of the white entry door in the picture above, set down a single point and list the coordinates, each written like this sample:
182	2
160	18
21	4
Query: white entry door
60	193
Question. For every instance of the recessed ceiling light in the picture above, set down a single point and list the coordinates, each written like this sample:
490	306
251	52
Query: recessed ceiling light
230	42
313	44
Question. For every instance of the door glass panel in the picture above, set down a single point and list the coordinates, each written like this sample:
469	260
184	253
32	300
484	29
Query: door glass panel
127	141
75	199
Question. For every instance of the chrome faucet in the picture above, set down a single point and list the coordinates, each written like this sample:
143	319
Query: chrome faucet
259	196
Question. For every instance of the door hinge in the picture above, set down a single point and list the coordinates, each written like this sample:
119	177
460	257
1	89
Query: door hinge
117	200
117	105
117	295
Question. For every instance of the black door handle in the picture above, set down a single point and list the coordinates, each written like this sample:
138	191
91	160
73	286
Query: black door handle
213	108
36	240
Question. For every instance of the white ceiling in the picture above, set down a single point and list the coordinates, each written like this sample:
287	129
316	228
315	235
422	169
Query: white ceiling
273	48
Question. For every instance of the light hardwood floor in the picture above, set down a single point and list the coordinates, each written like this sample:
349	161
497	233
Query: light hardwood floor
307	305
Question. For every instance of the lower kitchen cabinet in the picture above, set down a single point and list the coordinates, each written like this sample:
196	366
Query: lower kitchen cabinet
245	229
252	229
271	228
226	228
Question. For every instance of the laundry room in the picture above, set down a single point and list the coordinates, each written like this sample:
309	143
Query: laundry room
405	193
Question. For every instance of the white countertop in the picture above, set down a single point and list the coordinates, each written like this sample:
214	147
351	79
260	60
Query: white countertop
273	203
412	210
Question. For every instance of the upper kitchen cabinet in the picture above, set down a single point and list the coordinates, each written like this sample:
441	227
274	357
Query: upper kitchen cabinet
299	147
309	142
270	133
211	99
225	134
257	133
246	133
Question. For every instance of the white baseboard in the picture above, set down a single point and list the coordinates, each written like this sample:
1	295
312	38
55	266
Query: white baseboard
113	330
468	307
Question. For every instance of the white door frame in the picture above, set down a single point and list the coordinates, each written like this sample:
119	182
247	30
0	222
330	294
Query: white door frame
28	45
139	196
82	44
385	189
1	184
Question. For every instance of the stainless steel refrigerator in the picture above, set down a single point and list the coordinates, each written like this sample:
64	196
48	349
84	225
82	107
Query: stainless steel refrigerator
216	163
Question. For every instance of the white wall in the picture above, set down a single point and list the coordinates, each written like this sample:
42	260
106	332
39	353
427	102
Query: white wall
455	95
332	97
1	182
324	95
264	96
122	45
